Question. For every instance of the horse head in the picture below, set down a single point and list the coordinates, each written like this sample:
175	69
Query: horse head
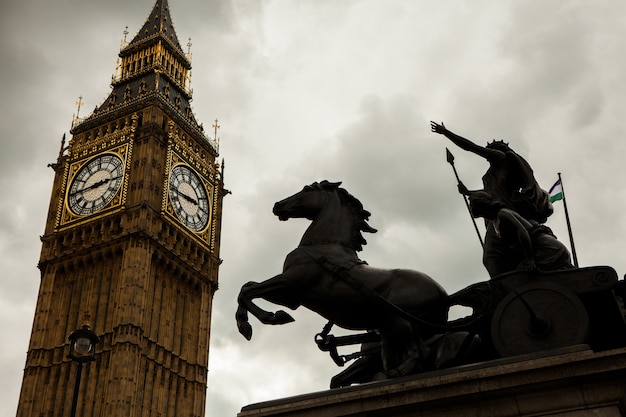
338	217
307	203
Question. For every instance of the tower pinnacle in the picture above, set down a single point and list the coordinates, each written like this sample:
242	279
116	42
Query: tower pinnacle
159	23
151	68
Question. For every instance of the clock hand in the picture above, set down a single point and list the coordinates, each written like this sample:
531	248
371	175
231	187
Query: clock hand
185	196
95	185
190	199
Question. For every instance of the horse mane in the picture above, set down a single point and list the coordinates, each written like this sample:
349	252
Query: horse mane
360	216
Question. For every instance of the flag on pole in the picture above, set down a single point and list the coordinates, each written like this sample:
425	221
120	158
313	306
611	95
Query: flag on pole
556	191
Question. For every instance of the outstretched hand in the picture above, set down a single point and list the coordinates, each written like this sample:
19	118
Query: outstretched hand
438	128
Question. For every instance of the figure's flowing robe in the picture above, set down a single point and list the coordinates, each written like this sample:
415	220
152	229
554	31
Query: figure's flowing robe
512	181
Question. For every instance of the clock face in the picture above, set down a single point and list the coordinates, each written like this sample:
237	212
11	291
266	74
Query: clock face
189	198
95	185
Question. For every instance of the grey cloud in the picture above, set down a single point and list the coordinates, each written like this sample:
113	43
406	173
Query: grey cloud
338	91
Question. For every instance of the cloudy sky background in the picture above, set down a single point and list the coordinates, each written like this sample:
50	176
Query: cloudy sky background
337	90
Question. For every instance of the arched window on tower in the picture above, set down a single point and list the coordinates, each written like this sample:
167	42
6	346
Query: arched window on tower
127	93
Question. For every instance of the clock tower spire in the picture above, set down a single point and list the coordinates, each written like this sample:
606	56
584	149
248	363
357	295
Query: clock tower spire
131	245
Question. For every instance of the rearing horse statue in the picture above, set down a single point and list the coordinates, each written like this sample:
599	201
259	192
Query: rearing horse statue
325	275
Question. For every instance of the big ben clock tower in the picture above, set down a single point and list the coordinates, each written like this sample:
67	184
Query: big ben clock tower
131	246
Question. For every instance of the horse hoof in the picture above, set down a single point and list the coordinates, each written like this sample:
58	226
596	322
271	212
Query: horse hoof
282	317
245	329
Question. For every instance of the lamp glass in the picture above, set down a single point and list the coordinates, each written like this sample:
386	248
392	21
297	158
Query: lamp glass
83	346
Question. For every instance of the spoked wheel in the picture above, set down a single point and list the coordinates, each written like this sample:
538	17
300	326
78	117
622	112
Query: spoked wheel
536	317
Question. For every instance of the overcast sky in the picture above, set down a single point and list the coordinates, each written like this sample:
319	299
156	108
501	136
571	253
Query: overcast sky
317	89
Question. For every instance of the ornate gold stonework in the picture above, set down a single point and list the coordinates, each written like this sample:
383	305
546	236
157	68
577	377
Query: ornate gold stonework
67	216
116	254
103	138
182	152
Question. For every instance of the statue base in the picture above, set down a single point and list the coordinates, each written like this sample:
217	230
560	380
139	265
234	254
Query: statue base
567	382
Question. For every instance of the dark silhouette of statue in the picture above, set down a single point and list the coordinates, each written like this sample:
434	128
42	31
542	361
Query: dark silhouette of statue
532	245
510	181
404	313
325	275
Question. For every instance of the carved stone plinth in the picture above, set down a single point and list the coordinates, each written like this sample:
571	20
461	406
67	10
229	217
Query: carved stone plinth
570	382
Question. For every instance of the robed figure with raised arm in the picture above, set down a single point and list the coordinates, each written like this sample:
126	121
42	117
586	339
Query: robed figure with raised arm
510	181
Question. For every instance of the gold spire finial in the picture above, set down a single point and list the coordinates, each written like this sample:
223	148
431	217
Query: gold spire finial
215	126
77	115
79	103
124	42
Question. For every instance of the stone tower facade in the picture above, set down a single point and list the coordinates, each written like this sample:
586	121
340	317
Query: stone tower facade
131	246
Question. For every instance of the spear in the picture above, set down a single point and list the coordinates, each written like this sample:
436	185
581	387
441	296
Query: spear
450	159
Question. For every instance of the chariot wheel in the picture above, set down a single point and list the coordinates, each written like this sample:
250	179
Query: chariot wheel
536	317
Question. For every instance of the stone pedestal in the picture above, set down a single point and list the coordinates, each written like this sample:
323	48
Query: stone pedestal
571	382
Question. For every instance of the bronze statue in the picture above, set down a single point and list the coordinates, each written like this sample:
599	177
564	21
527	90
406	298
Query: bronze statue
325	275
509	180
533	246
404	313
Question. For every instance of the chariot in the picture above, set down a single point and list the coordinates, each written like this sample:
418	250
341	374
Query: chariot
517	313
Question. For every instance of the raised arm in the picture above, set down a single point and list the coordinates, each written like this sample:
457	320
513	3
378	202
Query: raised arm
466	144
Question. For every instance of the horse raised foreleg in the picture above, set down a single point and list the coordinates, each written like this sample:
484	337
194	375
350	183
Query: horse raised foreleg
242	322
272	290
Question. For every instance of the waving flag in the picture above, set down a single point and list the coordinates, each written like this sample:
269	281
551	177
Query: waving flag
556	191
